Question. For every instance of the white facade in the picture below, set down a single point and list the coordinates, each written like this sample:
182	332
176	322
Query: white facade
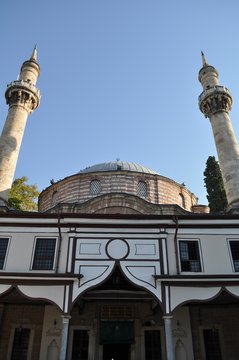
155	289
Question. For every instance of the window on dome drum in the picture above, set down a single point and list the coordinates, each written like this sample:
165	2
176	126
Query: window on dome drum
3	251
44	254
181	200
54	198
189	256
142	189
234	247
95	187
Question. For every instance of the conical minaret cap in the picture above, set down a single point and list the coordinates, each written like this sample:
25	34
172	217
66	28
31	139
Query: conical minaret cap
34	54
204	60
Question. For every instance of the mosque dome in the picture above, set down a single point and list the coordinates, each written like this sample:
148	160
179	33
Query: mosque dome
116	166
117	187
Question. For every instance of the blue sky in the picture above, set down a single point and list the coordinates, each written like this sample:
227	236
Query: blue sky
119	79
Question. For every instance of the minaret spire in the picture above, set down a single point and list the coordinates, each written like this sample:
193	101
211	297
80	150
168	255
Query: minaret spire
34	54
204	60
23	98
215	102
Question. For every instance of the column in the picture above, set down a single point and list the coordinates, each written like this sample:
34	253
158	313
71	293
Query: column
64	336
169	337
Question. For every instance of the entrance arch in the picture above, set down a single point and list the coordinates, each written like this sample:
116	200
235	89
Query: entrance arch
116	320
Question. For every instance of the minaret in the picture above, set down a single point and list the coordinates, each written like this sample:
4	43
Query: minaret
215	102
23	98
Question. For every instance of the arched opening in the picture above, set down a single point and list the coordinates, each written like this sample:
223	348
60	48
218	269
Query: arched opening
210	325
23	323
182	201
95	187
54	198
142	190
116	320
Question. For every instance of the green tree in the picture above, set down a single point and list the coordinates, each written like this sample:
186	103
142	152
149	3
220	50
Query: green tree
23	196
217	199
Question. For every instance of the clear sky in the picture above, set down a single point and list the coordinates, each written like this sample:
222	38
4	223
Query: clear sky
119	79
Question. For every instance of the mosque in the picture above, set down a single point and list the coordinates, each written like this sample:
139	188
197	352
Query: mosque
119	262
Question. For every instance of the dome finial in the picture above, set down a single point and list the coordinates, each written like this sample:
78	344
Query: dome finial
204	60
34	54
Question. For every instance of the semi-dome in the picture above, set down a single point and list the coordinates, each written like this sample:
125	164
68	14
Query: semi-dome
118	166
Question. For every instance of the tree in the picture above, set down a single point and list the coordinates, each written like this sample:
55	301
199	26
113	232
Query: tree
23	196
217	199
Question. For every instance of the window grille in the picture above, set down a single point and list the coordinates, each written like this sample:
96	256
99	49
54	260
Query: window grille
54	198
212	344
152	344
181	200
234	246
142	188
20	344
3	251
189	256
116	312
44	254
80	345
95	187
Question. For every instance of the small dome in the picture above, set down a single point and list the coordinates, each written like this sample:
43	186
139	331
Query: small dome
118	166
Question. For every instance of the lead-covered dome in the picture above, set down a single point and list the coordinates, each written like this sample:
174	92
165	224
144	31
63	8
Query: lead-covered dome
116	187
118	166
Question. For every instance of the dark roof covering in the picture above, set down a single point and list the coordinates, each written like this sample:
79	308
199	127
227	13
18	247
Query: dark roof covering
118	166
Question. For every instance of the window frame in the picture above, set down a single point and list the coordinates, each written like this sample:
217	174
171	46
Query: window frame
54	198
91	345
11	340
199	253
55	253
230	252
162	339
182	200
7	251
142	181
202	342
100	186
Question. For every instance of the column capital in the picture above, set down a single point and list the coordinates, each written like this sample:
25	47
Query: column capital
167	317
65	319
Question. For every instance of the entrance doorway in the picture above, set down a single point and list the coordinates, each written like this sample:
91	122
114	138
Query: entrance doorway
116	351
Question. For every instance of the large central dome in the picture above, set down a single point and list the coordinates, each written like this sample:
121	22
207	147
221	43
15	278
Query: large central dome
117	187
118	166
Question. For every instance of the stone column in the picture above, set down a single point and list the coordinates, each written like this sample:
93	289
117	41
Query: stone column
169	337
64	336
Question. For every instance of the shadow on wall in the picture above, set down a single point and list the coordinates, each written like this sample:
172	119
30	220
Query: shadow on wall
7	147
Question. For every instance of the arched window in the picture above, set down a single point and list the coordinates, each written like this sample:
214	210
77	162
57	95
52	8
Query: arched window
95	187
181	200
54	198
142	188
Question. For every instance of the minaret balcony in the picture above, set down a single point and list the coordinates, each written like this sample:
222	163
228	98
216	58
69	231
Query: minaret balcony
21	90
24	84
215	99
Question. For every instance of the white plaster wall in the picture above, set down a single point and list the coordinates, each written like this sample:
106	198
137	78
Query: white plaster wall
213	246
53	293
216	254
179	295
63	252
21	248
